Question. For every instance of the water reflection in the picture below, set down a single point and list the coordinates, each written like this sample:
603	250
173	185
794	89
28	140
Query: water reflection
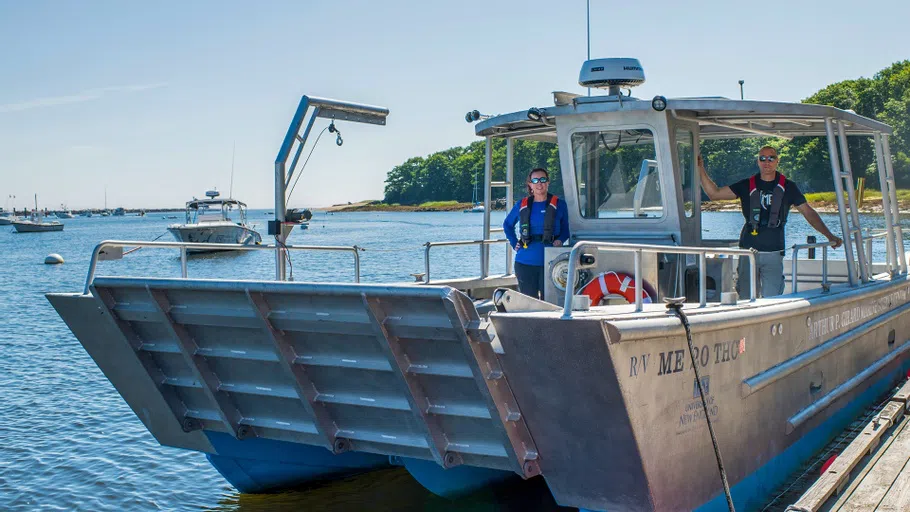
393	490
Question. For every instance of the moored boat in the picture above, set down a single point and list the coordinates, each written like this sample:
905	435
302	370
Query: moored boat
465	381
211	221
35	223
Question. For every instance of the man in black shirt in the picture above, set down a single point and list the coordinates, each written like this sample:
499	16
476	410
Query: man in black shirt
765	199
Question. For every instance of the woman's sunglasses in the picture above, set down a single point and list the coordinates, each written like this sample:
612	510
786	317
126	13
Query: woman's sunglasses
542	179
764	158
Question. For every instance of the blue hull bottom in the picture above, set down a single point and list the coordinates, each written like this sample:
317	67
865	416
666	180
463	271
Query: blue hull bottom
260	465
453	482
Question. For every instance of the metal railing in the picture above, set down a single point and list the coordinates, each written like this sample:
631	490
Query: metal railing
184	247
794	272
868	238
880	233
481	243
637	250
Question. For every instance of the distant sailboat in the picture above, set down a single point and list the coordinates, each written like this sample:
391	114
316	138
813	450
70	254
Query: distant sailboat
476	207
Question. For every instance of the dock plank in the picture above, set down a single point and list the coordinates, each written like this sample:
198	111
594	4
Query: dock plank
903	394
835	479
898	497
881	477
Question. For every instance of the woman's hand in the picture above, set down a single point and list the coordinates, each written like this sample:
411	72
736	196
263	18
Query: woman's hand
517	246
557	243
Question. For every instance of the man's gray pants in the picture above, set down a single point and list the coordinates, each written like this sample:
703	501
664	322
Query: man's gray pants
770	277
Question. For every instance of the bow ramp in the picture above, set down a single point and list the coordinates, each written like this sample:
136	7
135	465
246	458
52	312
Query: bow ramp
394	370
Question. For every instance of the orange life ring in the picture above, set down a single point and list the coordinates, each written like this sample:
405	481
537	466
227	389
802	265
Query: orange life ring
614	283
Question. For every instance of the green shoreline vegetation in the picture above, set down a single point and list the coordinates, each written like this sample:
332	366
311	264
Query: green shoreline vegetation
444	181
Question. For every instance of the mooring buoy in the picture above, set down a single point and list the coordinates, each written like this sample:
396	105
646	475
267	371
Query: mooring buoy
53	259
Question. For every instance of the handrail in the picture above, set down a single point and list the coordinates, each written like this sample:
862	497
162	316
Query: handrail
879	233
184	246
638	250
794	273
481	243
871	235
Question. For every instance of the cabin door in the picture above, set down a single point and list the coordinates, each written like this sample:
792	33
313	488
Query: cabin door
684	145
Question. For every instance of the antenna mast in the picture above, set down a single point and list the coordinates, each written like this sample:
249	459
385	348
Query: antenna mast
233	153
589	37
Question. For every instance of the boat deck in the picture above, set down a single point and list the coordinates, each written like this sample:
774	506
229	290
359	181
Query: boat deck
873	472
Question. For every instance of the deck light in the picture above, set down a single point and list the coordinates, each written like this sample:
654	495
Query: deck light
472	116
659	103
534	114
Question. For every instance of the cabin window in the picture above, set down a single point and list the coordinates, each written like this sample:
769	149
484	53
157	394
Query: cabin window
616	174
685	156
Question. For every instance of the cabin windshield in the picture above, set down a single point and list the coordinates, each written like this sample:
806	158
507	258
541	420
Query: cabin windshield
616	174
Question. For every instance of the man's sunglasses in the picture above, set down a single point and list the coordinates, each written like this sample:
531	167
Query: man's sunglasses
542	179
764	158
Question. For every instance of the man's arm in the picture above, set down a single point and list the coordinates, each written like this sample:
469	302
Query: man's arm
714	193
812	218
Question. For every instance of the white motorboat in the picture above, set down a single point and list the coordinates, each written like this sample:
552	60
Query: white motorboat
7	218
212	221
65	214
36	223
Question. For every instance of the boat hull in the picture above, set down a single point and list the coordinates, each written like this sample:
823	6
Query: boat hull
604	405
215	233
31	227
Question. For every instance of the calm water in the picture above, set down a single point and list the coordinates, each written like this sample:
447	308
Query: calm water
69	442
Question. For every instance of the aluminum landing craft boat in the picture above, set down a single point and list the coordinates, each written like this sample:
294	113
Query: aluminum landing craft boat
209	221
466	382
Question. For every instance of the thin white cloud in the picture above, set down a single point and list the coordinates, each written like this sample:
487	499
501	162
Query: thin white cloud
89	95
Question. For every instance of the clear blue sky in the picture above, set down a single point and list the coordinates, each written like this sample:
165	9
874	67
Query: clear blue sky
147	98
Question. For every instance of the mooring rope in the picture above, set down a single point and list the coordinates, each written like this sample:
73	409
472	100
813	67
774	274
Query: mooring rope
676	307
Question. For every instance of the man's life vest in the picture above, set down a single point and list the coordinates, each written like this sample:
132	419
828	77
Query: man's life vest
549	220
777	201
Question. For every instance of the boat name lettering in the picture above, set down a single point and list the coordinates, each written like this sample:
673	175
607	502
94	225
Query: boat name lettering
676	361
854	314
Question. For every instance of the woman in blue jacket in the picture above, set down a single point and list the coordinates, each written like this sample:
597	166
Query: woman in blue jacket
542	220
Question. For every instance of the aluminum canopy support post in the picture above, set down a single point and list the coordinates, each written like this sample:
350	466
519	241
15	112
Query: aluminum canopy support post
303	385
855	231
895	209
886	182
487	187
510	175
227	411
390	346
839	192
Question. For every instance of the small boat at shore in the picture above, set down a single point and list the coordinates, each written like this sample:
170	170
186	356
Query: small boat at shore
626	405
211	221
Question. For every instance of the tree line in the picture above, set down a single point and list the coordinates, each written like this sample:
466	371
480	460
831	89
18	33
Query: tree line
450	174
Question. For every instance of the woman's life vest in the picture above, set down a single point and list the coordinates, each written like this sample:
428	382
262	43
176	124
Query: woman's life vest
549	220
777	200
615	283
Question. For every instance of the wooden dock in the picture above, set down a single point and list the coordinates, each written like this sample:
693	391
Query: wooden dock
873	472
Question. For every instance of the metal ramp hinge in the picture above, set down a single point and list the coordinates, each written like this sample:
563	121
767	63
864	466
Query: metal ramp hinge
479	331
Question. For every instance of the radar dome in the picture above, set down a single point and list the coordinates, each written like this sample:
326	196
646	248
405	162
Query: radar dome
611	74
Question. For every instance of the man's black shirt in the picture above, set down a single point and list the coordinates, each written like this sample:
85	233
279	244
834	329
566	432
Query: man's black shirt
767	239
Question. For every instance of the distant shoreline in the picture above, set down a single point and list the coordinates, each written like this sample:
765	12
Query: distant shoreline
870	205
